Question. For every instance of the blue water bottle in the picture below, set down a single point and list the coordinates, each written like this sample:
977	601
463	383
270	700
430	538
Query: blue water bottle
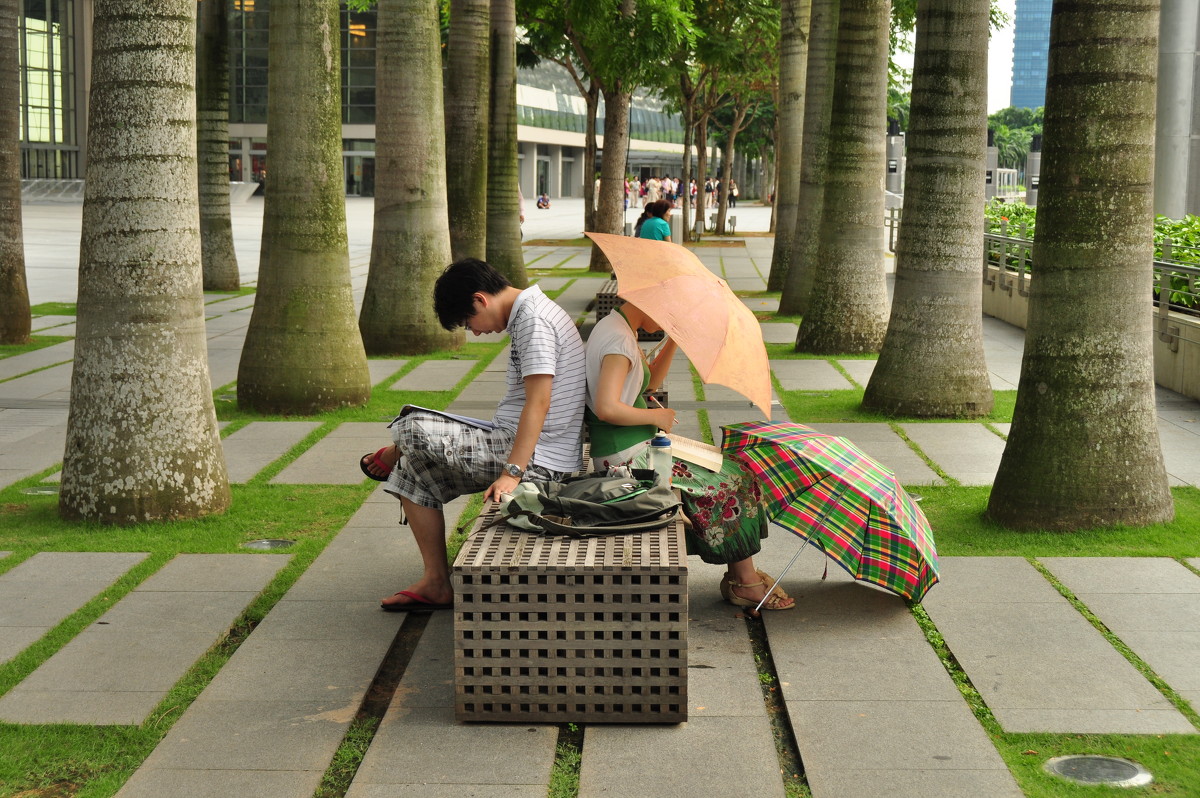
660	456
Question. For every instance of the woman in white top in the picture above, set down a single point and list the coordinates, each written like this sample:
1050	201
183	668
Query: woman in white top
726	510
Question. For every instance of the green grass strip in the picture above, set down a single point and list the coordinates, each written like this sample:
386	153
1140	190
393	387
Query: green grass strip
960	528
568	759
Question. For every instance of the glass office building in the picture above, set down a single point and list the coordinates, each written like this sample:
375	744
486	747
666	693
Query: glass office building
55	46
50	103
1031	51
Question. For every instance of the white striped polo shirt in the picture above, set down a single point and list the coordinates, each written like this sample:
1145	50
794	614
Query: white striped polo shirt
546	341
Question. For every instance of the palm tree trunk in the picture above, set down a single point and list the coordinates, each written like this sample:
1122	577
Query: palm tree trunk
932	361
503	202
793	70
1084	449
848	312
467	78
610	212
701	166
142	438
739	118
410	242
212	128
303	352
818	107
15	319
592	99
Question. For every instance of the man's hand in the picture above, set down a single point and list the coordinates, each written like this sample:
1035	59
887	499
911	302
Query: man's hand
504	484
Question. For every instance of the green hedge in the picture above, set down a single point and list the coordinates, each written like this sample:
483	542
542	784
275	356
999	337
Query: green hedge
1184	235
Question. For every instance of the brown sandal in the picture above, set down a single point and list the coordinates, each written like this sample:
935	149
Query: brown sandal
775	601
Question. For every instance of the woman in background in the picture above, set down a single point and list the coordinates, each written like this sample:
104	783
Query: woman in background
653	223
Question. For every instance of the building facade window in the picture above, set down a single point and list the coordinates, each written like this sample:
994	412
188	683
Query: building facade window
49	139
248	48
1031	53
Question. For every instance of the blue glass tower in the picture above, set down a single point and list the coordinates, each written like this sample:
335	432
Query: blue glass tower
1031	50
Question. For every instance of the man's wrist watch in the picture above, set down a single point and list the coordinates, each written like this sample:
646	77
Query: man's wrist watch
514	470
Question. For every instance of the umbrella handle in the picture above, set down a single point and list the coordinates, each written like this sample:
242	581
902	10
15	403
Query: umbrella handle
779	579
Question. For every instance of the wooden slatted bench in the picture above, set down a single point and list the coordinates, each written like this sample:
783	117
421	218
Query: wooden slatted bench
553	629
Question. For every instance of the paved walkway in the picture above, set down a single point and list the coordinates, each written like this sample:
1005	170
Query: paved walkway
872	709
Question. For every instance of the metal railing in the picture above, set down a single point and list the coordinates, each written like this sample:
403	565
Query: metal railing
1176	286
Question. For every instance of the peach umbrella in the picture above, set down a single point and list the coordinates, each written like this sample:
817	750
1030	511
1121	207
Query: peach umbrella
713	327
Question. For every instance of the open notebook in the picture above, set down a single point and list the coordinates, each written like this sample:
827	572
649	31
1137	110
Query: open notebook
697	452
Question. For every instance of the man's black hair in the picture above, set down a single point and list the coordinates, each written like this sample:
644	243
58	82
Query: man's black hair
455	289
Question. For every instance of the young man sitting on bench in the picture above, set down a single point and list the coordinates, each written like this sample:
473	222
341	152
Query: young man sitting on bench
537	425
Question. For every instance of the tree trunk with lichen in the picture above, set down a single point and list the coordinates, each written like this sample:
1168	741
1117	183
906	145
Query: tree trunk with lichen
793	70
848	311
610	210
1084	449
932	362
466	111
303	352
15	319
142	438
410	240
212	125
504	250
818	106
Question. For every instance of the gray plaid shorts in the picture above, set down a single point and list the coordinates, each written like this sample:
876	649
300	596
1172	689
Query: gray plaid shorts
442	459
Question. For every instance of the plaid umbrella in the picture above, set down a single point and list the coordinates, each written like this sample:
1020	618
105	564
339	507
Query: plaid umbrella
828	491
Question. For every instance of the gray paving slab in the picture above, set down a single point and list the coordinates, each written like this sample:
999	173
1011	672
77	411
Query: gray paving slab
638	761
779	332
727	731
1151	603
260	443
49	383
882	443
579	294
118	669
1181	452
550	284
969	453
1038	664
747	283
859	370
31	361
221	783
837	655
435	375
51	325
383	368
223	365
35	453
499	363
761	304
333	460
809	375
302	673
40	592
419	743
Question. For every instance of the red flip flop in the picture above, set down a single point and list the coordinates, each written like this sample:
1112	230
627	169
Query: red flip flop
416	602
367	460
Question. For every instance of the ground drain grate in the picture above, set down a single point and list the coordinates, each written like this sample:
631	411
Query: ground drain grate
269	543
1107	770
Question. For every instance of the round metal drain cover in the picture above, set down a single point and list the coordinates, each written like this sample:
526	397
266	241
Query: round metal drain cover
270	543
41	490
1107	770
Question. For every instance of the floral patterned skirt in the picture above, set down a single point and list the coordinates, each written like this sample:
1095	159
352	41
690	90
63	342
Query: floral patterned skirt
727	511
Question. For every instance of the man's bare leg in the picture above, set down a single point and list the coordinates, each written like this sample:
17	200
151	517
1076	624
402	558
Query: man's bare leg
428	527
